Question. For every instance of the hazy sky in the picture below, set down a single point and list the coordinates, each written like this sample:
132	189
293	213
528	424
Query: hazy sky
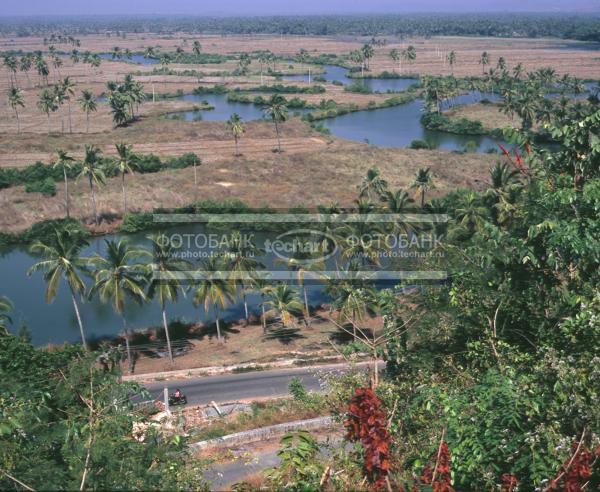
278	7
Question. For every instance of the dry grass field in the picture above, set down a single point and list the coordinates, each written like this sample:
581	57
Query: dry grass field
488	114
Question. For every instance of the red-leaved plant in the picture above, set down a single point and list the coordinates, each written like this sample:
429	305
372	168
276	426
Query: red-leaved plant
439	477
576	470
508	483
366	423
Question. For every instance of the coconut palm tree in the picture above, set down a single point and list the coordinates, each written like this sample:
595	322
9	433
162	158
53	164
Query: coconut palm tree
410	54
6	307
47	104
91	170
394	54
87	103
126	163
65	162
68	90
166	278
283	302
237	128
423	182
471	214
451	61
213	289
372	183
351	301
119	277
263	59
397	202
276	110
241	255
196	48
368	52
484	60
25	64
61	259
10	62
15	101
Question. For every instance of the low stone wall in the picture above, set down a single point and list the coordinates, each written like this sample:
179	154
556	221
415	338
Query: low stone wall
263	433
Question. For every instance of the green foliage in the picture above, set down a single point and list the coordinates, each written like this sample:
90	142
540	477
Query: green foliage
462	126
45	187
298	467
358	87
419	144
62	418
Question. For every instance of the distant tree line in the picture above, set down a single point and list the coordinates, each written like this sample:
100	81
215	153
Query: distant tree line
572	26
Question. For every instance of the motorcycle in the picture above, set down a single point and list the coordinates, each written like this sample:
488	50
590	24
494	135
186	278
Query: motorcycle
177	400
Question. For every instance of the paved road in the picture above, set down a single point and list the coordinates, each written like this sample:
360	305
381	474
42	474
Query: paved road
235	387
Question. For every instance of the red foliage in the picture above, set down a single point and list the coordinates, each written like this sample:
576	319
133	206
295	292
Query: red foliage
366	424
443	481
575	472
508	482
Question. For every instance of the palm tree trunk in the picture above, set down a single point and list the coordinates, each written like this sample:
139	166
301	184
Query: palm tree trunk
18	121
66	192
195	174
124	194
94	210
218	324
245	306
166	327
278	139
69	106
48	123
264	321
87	122
127	348
422	198
237	150
76	307
306	311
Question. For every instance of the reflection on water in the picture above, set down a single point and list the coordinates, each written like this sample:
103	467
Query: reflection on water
56	323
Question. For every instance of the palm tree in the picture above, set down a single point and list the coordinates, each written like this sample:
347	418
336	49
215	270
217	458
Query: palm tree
351	303
87	103
244	62
126	163
451	61
484	60
423	182
213	289
95	175
276	109
372	182
396	203
196	48
65	162
263	59
471	214
61	259
10	62
25	64
47	104
237	128
166	275
395	56
5	307
15	101
368	52
501	65
410	54
284	301
118	277
68	89
241	253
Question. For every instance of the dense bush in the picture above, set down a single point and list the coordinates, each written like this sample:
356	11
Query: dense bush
419	144
462	126
45	187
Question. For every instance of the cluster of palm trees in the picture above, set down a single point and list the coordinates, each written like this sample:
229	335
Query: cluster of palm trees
523	94
94	169
124	98
126	274
408	54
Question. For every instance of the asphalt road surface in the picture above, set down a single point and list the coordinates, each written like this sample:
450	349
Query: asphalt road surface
246	386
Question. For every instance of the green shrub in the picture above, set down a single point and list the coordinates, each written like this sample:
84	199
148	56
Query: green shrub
419	144
358	87
45	187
